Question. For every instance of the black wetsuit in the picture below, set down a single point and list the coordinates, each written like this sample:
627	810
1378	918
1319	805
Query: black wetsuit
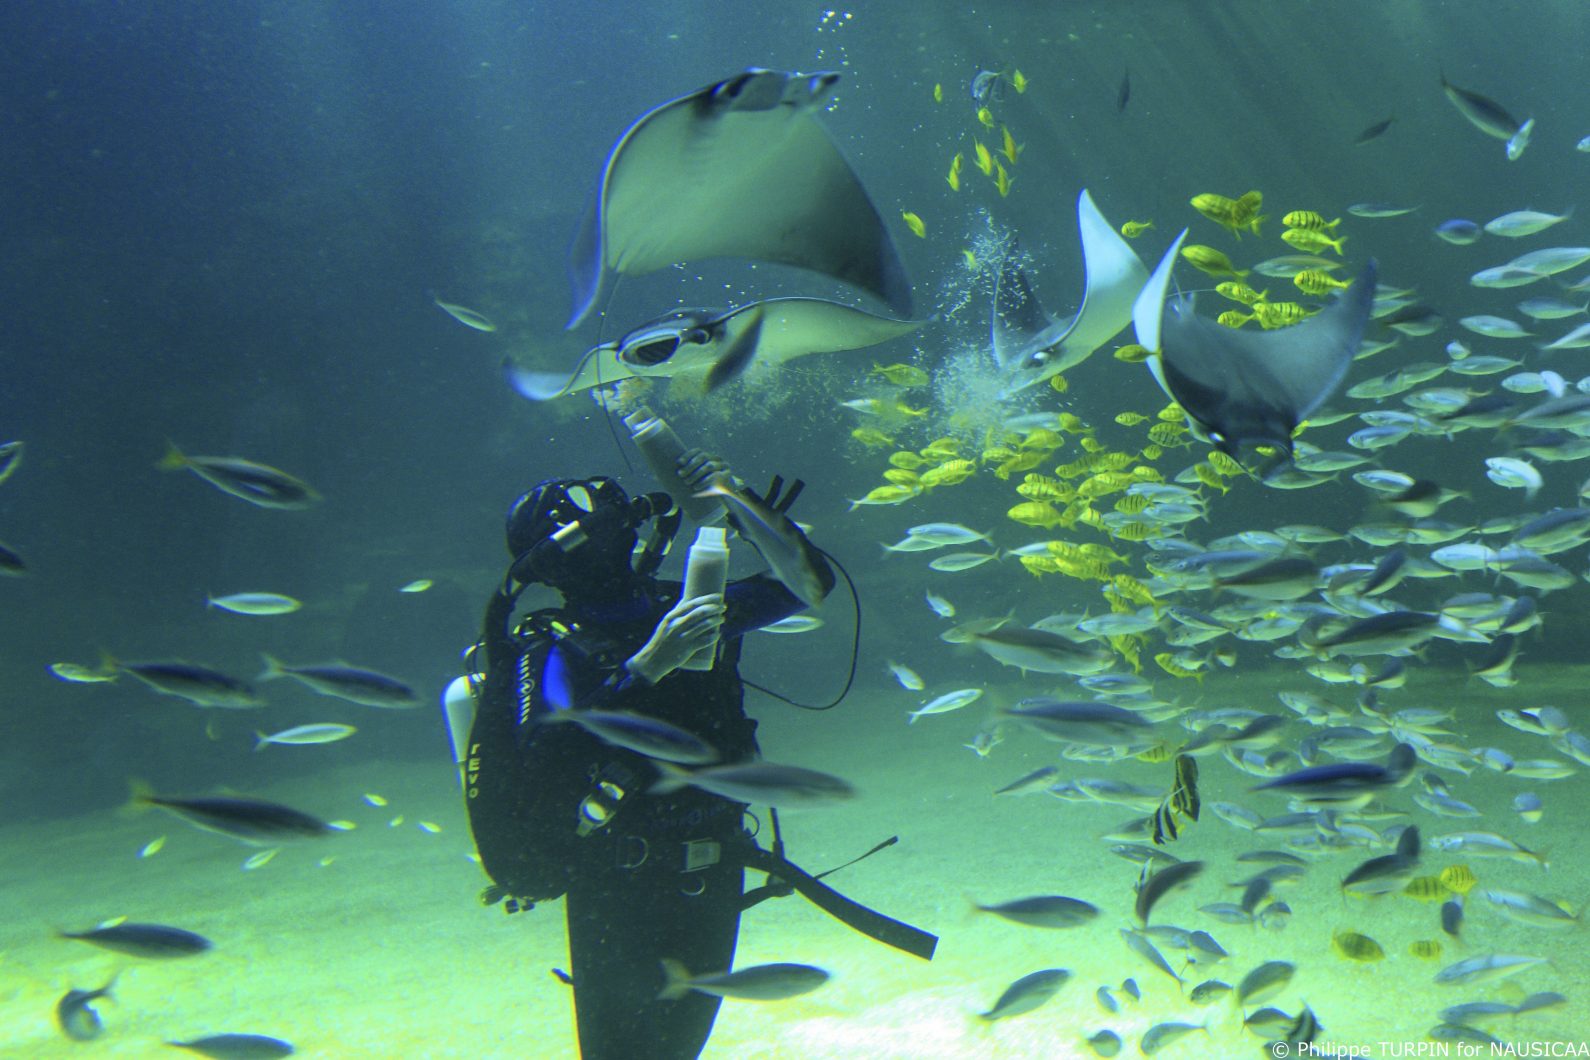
663	878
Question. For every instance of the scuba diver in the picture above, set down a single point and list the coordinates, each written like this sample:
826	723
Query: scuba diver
557	811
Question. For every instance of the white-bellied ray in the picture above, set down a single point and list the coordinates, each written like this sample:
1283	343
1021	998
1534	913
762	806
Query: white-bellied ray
738	169
1031	346
723	342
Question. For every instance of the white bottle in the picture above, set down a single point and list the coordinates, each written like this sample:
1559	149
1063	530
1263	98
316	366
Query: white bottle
662	449
458	705
706	573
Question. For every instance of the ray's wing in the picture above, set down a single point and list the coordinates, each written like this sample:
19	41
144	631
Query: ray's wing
1113	277
1244	387
598	367
739	169
797	326
1019	322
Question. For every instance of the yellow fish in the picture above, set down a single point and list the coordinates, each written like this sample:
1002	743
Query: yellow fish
906	460
1311	220
1133	229
1035	513
1168	435
1211	261
899	476
871	436
1425	949
914	223
982	157
1311	242
1233	214
1240	292
954	177
1224	464
948	473
1011	149
1001	179
1044	488
1160	752
1209	477
1058	384
1167	662
941	449
887	495
986	117
1130	419
1427	889
901	375
1233	319
1018	82
1459	878
1132	353
1318	281
1279	314
969	257
1356	947
938	93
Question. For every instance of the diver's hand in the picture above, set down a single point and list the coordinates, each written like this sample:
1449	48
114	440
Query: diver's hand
687	628
700	469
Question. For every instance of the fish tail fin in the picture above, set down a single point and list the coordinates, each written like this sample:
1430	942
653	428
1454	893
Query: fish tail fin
174	458
140	796
261	741
1253	225
107	664
273	668
677	978
673	778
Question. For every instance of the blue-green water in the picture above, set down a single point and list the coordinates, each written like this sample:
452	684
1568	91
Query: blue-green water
223	228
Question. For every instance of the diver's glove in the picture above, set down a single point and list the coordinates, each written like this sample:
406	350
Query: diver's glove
699	469
689	626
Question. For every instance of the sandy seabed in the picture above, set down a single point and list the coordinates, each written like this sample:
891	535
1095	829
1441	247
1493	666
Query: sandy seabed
385	952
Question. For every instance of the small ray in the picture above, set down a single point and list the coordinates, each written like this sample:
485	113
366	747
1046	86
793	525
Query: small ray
738	169
1030	345
1248	388
724	342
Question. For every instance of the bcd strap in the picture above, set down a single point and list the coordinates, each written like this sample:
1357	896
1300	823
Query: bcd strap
869	922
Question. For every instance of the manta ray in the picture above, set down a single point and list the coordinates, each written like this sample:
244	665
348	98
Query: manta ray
1242	388
724	342
738	169
1031	346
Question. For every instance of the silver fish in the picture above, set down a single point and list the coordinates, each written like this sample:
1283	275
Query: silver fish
784	548
1026	994
259	484
149	941
762	982
641	733
76	1016
761	783
1485	968
365	687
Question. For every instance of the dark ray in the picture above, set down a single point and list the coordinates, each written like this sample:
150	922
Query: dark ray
1242	388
